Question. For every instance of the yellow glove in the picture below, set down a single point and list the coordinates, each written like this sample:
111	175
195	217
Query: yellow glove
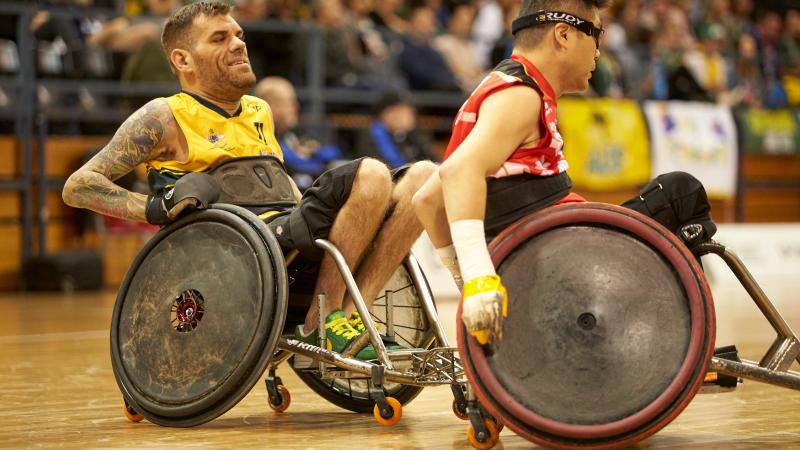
485	307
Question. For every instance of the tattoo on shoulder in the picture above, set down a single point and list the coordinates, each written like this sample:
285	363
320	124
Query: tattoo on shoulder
135	141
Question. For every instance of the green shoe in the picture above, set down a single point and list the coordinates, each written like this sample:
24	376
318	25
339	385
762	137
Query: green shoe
355	322
338	332
368	352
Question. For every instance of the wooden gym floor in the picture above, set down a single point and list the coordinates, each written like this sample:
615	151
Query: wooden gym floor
58	390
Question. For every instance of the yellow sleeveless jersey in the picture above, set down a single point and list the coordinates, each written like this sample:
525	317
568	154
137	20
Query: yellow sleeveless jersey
213	136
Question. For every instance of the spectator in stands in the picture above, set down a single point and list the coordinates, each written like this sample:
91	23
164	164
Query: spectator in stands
654	16
742	20
384	15
139	36
607	79
305	157
790	56
790	43
424	67
251	10
371	39
767	34
747	74
706	62
61	46
627	42
487	29
457	49
284	10
279	53
393	136
691	9
503	46
719	12
346	64
129	33
669	77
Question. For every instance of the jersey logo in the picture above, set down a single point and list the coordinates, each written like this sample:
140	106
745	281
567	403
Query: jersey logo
214	137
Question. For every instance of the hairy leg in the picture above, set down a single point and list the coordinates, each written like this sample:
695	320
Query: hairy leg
395	238
352	232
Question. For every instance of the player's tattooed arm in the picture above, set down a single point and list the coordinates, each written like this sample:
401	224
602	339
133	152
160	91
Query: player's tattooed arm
139	139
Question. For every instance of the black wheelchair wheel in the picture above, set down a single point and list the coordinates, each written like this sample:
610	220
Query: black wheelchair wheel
198	316
412	330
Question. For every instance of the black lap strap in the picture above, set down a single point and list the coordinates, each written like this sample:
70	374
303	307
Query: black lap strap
254	181
659	206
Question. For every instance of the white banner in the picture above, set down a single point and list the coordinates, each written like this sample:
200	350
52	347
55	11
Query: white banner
698	138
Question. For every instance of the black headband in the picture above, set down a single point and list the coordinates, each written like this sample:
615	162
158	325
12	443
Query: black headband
543	17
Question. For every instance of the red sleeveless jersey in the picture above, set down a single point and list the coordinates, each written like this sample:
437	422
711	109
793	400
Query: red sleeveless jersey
543	159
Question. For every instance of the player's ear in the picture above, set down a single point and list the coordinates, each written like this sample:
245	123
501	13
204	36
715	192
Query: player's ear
181	59
561	35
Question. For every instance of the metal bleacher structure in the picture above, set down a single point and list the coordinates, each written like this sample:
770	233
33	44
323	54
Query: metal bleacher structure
28	179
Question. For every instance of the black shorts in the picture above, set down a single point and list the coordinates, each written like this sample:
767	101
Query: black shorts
313	218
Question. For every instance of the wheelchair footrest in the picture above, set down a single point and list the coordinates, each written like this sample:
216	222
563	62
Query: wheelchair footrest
715	382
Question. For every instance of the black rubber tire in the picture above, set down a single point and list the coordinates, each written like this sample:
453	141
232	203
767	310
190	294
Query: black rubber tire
186	414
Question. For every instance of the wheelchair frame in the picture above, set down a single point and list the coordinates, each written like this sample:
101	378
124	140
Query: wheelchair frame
416	367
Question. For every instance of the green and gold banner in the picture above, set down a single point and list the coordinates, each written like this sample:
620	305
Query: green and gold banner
769	132
605	143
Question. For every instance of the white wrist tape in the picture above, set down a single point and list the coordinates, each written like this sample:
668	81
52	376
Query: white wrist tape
470	243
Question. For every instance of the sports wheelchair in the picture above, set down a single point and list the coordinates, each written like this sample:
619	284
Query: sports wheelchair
610	331
201	315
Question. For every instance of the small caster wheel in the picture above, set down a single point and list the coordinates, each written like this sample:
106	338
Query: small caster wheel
397	413
461	413
489	441
283	400
131	413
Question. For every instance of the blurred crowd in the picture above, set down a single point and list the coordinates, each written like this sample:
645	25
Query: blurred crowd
735	52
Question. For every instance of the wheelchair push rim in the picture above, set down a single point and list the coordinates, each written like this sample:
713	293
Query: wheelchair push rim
198	316
495	387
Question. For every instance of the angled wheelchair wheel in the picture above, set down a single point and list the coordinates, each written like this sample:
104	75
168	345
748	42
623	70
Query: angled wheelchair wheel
198	316
609	333
411	330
